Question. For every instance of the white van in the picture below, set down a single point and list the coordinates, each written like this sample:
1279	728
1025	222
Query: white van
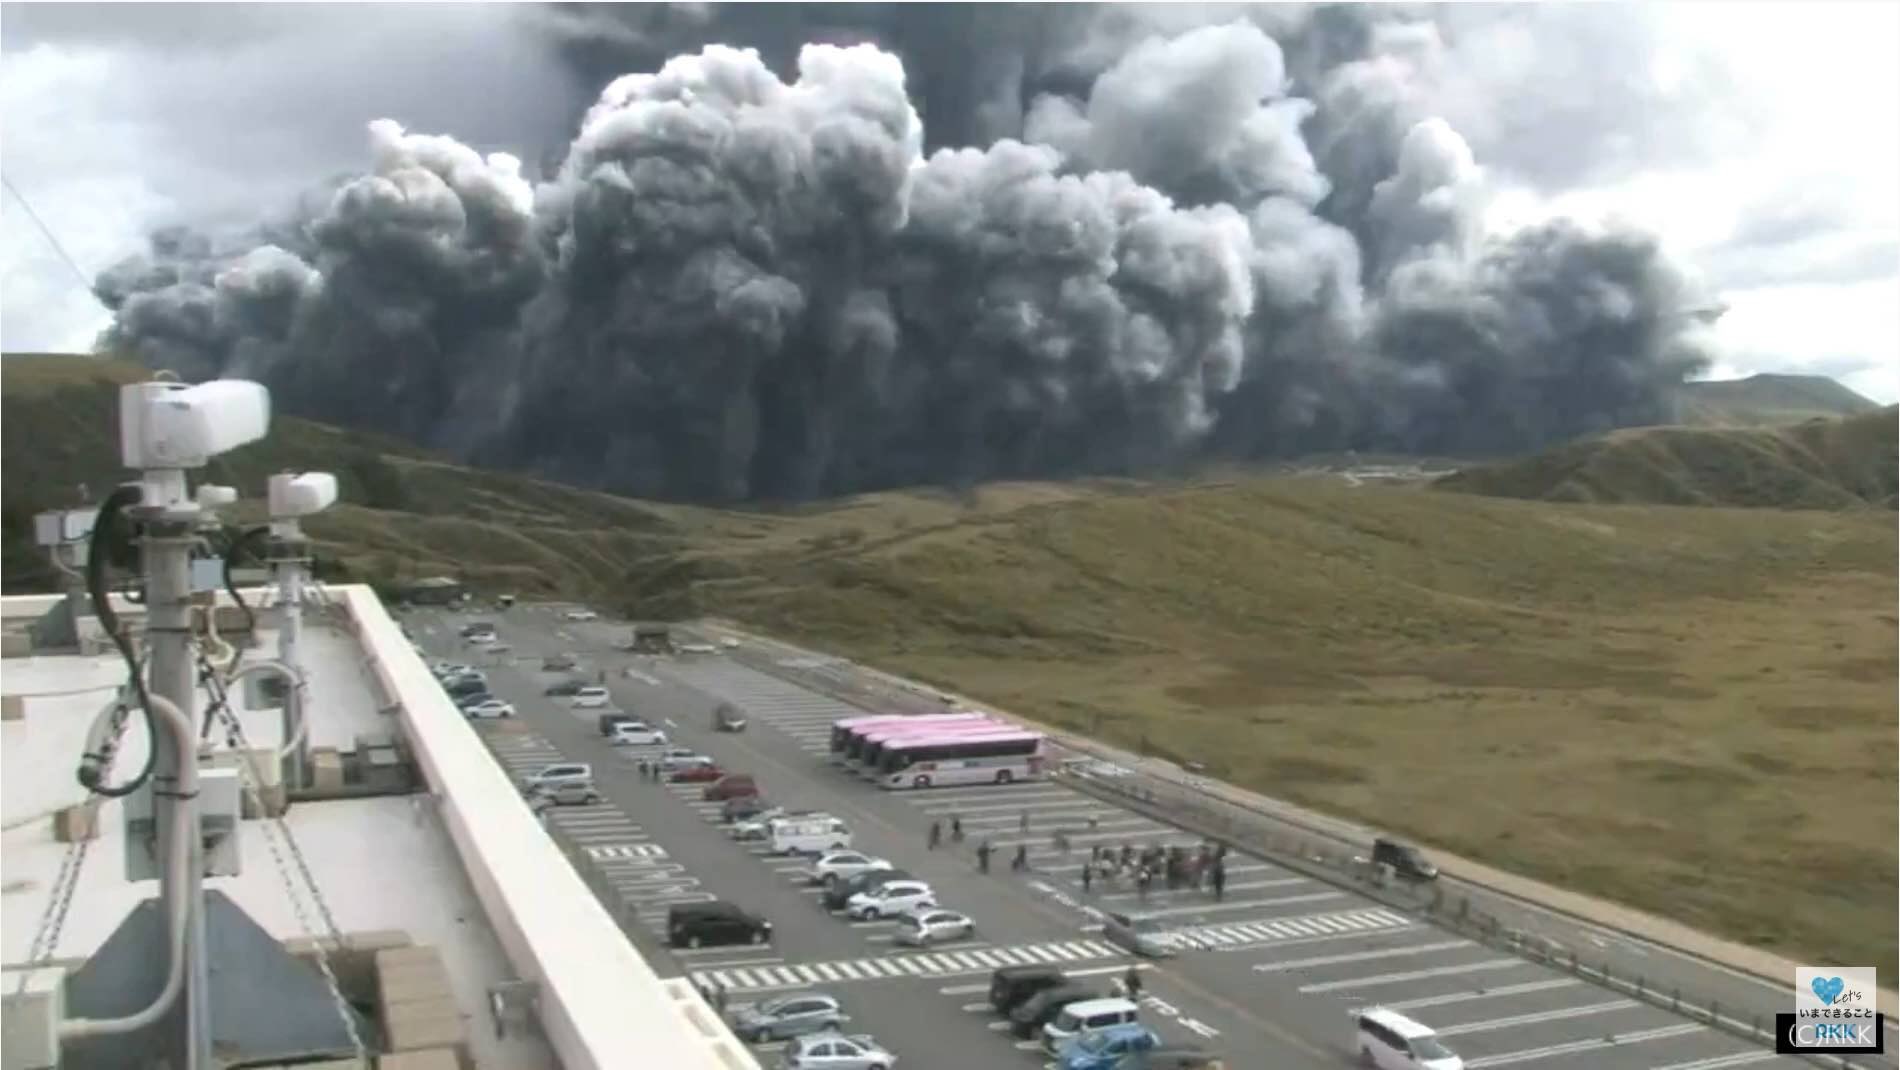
591	698
815	834
1086	1017
1389	1040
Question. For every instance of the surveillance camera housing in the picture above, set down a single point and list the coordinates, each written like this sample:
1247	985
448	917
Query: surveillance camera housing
211	495
171	426
293	495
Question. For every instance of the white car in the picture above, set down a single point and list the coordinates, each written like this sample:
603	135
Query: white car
931	925
592	698
890	899
580	614
484	639
446	669
637	735
831	1050
837	866
494	707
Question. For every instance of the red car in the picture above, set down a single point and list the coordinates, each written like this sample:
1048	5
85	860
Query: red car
734	786
696	774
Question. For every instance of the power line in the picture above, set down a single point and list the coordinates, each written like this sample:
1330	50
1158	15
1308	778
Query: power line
85	281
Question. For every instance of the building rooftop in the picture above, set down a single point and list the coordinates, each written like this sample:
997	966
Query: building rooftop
460	866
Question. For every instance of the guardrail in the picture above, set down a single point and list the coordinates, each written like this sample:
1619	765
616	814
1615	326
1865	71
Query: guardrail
599	1003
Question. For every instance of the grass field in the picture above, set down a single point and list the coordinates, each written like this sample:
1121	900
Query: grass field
1691	710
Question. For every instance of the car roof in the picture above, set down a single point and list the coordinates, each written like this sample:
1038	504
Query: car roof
1099	1006
1398	1023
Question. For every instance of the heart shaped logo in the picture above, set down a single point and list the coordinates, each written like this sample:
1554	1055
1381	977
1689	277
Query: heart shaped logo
1827	988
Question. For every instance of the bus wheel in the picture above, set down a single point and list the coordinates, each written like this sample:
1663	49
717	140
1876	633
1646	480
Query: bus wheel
920	782
1004	776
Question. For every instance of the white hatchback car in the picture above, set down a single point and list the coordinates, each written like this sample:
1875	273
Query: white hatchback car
592	698
836	866
933	926
580	614
890	899
637	735
494	707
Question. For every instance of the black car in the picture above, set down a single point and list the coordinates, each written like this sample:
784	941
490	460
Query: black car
475	628
837	895
742	807
1040	1009
563	688
714	923
466	684
1406	862
1011	985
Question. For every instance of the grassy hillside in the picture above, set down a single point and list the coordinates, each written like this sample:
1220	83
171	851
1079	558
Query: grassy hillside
1632	700
1767	400
1821	464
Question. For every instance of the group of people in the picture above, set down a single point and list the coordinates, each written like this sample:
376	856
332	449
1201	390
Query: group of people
651	769
1178	867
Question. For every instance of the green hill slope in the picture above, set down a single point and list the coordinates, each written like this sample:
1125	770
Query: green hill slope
1767	400
1846	463
1634	701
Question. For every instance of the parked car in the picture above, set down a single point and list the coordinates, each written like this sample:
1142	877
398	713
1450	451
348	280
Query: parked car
835	1051
563	688
475	628
608	722
1406	862
467	683
696	770
790	1015
743	808
559	773
570	793
837	867
558	663
483	639
1170	1059
1038	1010
473	698
1011	986
1147	937
592	697
921	928
731	786
714	923
675	757
445	669
1092	1015
635	734
493	708
580	614
1103	1049
839	894
890	899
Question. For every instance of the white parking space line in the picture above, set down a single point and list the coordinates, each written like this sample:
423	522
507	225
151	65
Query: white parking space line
1232	887
1360	956
1022	799
1720	1062
1249	904
1572	1048
1487	993
1558	1015
1414	975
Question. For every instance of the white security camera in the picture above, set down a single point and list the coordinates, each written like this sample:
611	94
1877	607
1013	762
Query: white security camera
294	495
170	426
211	495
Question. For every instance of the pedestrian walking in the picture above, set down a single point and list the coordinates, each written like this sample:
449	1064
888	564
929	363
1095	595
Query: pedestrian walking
983	857
1131	982
1088	876
936	834
1021	861
956	830
1220	881
1022	823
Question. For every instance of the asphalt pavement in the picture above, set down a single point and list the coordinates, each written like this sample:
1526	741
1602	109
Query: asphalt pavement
1267	974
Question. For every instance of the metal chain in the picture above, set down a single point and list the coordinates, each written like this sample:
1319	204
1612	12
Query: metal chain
59	900
253	787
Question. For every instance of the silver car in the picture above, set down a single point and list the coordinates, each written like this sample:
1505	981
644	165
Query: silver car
1147	937
789	1015
835	1051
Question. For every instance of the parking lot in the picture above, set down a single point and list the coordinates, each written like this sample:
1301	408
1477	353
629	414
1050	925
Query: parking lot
1266	972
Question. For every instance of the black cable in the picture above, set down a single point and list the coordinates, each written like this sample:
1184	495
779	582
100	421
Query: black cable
231	555
92	767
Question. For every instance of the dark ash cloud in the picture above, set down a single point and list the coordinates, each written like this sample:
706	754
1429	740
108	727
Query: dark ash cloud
905	243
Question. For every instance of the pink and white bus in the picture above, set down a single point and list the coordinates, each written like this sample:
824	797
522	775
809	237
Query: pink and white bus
847	734
871	753
942	759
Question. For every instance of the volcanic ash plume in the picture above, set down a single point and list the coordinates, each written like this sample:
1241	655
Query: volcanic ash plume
740	285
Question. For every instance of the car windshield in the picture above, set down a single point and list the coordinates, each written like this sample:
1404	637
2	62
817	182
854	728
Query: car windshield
1097	1041
1429	1049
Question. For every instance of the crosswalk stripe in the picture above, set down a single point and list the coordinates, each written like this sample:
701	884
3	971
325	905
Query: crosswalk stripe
923	964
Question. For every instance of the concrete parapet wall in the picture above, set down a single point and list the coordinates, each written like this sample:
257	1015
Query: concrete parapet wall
600	1004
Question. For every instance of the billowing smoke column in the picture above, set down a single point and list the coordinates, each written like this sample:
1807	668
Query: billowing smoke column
1181	233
